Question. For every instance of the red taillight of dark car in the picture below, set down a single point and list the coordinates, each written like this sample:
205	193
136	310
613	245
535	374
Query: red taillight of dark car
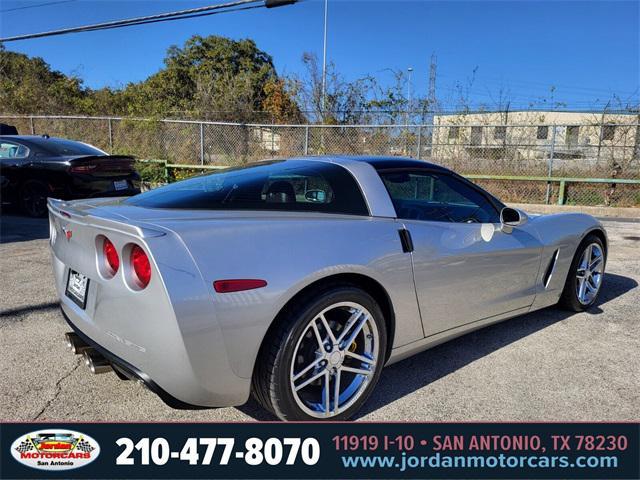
141	266
83	168
111	256
103	166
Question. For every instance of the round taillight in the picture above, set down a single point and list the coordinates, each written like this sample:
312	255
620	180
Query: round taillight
141	266
111	255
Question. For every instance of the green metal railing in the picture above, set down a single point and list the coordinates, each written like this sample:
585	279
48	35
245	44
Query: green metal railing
561	181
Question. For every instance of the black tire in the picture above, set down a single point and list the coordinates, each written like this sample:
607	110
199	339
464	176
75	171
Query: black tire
271	381
33	198
569	298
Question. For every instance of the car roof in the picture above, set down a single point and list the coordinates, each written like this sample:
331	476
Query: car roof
53	146
377	162
34	139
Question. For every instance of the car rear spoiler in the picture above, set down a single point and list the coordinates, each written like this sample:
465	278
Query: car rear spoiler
81	158
74	212
101	163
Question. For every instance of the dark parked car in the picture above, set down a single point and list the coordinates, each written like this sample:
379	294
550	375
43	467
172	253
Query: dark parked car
33	168
8	129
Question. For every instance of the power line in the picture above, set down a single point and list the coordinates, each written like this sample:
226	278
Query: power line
35	6
580	97
182	17
161	17
536	84
126	22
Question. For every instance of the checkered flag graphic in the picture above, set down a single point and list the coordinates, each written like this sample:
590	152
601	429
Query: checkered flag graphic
24	446
84	446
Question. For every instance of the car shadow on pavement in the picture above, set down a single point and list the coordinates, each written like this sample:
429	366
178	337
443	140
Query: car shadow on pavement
431	365
18	228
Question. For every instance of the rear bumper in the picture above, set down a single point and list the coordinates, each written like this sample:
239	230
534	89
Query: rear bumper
78	186
131	371
90	187
182	376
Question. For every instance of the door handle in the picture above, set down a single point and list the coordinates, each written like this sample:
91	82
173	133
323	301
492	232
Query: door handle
406	240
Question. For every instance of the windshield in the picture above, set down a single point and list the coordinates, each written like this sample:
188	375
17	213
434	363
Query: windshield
296	185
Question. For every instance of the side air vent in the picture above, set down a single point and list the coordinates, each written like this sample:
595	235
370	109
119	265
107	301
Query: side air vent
550	268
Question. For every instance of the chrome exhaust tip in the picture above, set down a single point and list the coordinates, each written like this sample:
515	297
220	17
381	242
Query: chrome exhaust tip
75	343
96	362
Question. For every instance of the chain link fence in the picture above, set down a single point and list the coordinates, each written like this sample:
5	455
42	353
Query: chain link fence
585	164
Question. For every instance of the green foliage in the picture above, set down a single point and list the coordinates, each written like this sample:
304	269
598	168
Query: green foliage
209	78
29	85
151	172
177	174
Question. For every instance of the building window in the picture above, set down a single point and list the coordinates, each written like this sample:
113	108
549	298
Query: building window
573	133
476	136
608	132
454	133
500	133
543	133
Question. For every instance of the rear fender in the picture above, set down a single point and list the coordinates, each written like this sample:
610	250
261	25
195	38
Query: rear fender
563	233
291	252
166	330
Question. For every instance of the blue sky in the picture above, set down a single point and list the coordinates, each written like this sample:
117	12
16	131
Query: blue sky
588	50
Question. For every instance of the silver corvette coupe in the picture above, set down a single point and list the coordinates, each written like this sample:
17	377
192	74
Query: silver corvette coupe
298	280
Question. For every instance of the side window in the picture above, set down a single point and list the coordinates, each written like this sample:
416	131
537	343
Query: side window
543	132
298	185
13	150
437	197
476	136
291	188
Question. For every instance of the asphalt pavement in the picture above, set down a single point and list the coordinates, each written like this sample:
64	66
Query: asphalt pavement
547	365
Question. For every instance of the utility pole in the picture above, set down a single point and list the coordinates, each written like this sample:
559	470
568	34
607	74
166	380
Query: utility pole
431	102
410	70
432	84
406	118
324	60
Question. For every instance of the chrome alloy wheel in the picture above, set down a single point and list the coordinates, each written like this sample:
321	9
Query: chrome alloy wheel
589	274
334	359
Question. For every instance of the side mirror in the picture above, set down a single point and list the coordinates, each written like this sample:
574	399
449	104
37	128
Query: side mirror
512	217
316	196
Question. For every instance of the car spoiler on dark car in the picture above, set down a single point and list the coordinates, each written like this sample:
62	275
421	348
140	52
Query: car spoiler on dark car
102	165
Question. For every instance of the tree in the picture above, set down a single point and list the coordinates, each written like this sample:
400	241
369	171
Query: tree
213	78
29	85
279	103
345	102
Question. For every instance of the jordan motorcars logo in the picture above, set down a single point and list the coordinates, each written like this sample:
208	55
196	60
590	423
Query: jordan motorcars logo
55	449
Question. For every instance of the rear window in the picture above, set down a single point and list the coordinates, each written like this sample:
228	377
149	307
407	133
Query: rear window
280	185
59	146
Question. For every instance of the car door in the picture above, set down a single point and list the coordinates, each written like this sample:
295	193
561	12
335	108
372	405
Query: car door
13	156
466	268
